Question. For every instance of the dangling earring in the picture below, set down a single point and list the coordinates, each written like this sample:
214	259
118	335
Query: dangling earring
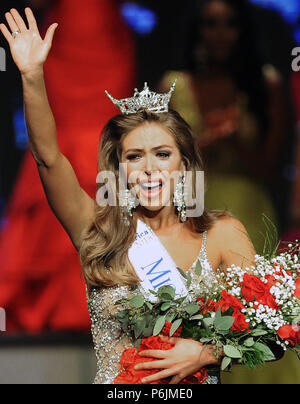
178	199
127	202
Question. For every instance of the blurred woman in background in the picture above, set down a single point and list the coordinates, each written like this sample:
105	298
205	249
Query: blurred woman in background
236	106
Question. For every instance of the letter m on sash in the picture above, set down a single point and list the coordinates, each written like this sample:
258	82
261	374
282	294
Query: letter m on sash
157	277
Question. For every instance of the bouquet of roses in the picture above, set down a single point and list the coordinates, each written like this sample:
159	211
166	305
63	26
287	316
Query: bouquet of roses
244	315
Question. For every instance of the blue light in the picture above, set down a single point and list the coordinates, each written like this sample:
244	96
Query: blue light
141	19
21	138
297	35
290	9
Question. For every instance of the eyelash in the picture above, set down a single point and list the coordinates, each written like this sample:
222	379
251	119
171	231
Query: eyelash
163	155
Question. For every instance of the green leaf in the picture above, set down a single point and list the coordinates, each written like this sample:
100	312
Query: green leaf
175	326
139	327
259	332
271	242
232	352
225	363
192	309
224	323
265	350
159	325
137	343
249	342
218	315
170	317
149	305
198	268
208	322
182	273
137	302
166	297
197	317
205	340
165	306
168	290
189	280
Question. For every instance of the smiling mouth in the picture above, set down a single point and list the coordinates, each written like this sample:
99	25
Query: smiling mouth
151	189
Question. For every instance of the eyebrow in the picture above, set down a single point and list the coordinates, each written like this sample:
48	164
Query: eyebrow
153	148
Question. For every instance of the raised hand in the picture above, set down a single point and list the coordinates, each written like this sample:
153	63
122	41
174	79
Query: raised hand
28	49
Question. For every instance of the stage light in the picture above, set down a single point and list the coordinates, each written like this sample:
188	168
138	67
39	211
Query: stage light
290	9
140	18
21	138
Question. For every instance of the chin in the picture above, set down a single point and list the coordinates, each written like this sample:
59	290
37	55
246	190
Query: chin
153	206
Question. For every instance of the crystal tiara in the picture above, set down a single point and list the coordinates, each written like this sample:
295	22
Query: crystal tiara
146	99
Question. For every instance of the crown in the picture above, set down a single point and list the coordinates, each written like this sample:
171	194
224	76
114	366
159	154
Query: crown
145	99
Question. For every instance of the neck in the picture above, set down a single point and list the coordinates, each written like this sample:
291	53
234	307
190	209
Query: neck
159	220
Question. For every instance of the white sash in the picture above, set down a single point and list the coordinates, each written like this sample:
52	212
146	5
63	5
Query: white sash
153	264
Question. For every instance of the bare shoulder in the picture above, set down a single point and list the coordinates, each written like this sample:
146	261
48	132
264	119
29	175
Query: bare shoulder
230	238
228	227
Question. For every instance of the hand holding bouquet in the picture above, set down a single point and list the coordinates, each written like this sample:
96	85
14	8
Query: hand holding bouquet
243	316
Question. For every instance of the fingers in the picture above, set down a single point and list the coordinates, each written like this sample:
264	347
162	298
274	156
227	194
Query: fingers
171	340
6	33
154	353
11	22
19	20
50	34
153	365
31	19
177	379
160	375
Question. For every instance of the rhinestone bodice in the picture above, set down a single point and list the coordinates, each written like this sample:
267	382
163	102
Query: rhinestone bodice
109	339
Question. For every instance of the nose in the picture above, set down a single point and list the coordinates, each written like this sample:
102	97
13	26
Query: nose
150	164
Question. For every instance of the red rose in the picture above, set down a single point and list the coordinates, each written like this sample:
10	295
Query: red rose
167	329
297	291
290	333
255	289
240	323
229	300
207	306
130	358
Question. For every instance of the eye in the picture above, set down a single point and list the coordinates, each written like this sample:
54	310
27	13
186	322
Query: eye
133	157
164	155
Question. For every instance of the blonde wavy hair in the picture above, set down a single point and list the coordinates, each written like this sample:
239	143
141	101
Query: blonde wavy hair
104	250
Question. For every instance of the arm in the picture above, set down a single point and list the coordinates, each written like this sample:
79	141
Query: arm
71	205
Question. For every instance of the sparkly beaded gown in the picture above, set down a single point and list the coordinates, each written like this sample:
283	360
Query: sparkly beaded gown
109	339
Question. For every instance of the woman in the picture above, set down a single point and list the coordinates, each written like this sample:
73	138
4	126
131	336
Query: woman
155	145
236	108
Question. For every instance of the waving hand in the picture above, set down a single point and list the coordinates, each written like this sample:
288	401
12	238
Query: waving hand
28	49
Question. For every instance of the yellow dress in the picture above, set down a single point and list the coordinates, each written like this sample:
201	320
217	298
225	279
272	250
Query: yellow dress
230	186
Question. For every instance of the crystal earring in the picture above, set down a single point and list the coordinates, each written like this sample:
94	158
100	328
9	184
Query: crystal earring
127	202
178	199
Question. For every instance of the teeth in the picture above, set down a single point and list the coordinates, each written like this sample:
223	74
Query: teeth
151	184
